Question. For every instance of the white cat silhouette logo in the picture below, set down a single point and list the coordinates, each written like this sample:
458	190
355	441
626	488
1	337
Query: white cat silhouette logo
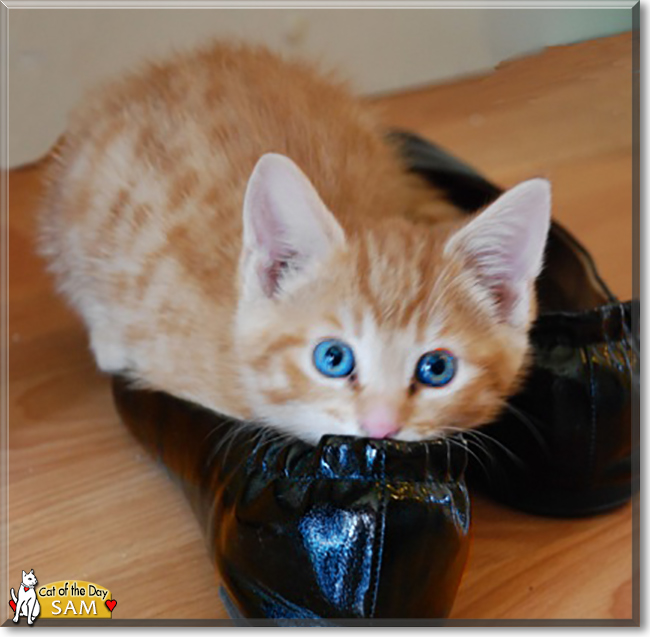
27	603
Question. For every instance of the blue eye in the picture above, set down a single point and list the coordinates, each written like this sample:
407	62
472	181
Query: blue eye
436	368
333	358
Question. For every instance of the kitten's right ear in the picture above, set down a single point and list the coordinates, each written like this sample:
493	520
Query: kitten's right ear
504	247
287	227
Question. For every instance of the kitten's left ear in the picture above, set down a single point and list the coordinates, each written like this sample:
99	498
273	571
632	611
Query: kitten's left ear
287	226
504	246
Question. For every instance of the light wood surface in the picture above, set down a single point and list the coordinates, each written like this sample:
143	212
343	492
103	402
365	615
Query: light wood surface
85	502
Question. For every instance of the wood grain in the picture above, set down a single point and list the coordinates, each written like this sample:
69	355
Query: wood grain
86	503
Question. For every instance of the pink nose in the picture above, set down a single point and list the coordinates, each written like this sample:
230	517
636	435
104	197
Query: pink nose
380	422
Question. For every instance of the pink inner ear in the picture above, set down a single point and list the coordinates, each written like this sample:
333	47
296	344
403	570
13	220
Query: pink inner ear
286	224
505	296
266	227
504	246
269	233
498	272
270	273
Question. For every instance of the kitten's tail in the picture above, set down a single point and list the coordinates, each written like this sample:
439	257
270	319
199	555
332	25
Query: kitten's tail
13	596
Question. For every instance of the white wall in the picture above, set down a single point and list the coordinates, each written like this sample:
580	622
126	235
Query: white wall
54	55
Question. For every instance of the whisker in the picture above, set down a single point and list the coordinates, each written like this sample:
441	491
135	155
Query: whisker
480	439
526	420
454	441
466	435
485	439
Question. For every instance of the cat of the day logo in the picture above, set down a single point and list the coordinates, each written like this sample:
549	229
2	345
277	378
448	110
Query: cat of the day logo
66	599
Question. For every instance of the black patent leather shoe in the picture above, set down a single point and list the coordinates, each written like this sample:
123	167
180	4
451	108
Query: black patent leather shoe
352	529
563	446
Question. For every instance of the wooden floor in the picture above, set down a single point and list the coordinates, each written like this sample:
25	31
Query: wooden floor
86	503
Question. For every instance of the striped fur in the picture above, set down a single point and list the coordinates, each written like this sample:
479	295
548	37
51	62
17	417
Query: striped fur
142	227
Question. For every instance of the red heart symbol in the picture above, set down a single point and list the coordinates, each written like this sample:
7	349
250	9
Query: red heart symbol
111	604
26	588
13	605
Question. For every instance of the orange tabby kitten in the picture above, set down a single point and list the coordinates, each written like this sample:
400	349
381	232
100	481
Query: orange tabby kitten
233	229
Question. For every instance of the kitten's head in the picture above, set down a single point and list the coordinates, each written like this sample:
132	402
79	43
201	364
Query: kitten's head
396	330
